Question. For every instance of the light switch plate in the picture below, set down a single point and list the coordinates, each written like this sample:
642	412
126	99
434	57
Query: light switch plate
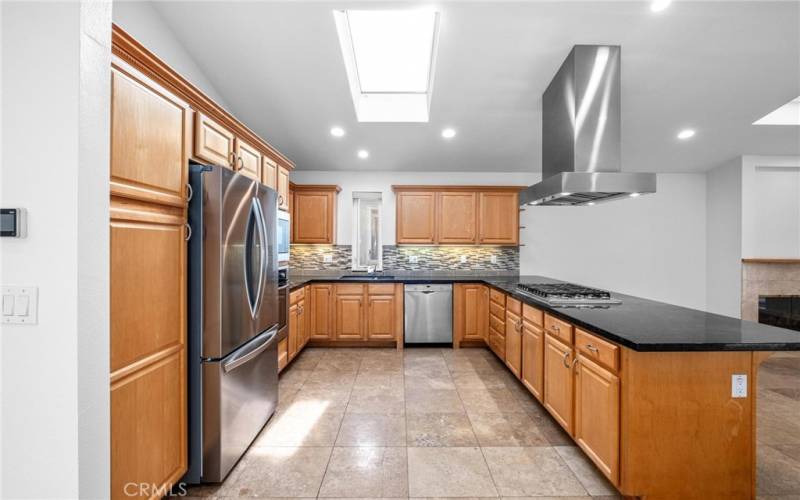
463	259
494	259
738	385
25	304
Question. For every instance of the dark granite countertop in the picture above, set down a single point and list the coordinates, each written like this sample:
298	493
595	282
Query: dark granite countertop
637	323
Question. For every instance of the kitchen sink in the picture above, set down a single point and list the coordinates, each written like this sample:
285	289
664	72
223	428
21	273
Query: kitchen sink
356	277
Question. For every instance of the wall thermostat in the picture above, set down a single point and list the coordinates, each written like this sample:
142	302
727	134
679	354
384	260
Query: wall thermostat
12	222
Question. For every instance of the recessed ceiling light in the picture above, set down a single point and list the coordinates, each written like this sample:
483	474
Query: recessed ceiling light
448	133
363	154
337	131
389	57
590	203
788	114
686	133
659	5
635	195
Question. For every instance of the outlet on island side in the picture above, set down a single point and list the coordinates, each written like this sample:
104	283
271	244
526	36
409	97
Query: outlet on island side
738	385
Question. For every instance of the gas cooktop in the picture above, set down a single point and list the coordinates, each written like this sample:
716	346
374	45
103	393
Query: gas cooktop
567	294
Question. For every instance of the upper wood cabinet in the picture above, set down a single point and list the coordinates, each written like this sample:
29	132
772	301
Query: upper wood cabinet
213	142
314	213
248	160
269	172
150	139
416	217
283	188
457	215
498	218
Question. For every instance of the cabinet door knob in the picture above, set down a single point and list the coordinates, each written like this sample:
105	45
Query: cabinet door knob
240	161
188	232
566	363
232	160
280	200
189	192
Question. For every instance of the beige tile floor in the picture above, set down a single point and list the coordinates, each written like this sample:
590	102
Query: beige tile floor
382	423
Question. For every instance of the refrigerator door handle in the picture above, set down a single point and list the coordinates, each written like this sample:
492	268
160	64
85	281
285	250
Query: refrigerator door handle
255	302
249	351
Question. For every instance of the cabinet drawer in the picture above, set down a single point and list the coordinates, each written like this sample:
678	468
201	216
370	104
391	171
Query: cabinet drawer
596	349
497	297
532	315
350	289
514	306
297	295
381	289
497	323
557	328
497	310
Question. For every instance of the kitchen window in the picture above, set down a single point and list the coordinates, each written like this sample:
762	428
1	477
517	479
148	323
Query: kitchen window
367	245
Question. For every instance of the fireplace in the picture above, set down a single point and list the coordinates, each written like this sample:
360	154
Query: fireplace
782	311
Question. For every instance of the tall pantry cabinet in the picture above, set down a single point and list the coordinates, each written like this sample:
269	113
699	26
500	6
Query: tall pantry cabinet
149	166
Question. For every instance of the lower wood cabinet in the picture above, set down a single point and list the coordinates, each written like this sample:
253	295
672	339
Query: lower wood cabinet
349	316
320	314
597	423
296	323
532	358
559	386
382	316
513	349
470	312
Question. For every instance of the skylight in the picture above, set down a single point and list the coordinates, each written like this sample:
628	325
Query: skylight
389	56
788	114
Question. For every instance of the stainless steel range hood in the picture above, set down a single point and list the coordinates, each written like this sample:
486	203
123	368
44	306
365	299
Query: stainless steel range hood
581	142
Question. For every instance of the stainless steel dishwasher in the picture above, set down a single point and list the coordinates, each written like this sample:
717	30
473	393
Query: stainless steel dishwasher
429	314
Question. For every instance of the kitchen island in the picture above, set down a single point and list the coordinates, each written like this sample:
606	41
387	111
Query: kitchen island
661	398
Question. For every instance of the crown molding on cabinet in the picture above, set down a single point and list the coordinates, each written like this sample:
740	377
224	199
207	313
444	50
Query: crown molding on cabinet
400	188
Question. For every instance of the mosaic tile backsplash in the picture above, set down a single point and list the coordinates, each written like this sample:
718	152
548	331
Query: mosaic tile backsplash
306	258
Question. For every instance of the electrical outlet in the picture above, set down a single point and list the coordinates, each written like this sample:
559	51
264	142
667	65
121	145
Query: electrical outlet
413	259
738	386
463	259
327	258
494	259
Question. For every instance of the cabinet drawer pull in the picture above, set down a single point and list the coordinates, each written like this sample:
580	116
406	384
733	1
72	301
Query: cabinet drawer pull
593	348
566	363
555	328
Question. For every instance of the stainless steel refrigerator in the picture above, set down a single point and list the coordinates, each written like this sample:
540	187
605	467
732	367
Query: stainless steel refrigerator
233	317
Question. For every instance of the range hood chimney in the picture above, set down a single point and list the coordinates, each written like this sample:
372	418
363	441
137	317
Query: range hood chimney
581	144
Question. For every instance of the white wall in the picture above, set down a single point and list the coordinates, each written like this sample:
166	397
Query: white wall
383	181
770	206
653	246
55	153
145	24
724	239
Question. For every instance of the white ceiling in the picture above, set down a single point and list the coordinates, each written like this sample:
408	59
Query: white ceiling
713	66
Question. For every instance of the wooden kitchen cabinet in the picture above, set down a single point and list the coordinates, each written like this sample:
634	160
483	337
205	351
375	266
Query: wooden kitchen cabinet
213	143
513	348
314	213
350	312
296	322
559	385
457	217
416	217
148	163
321	306
597	423
269	172
248	160
498	218
283	188
497	323
532	351
470	312
381	316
